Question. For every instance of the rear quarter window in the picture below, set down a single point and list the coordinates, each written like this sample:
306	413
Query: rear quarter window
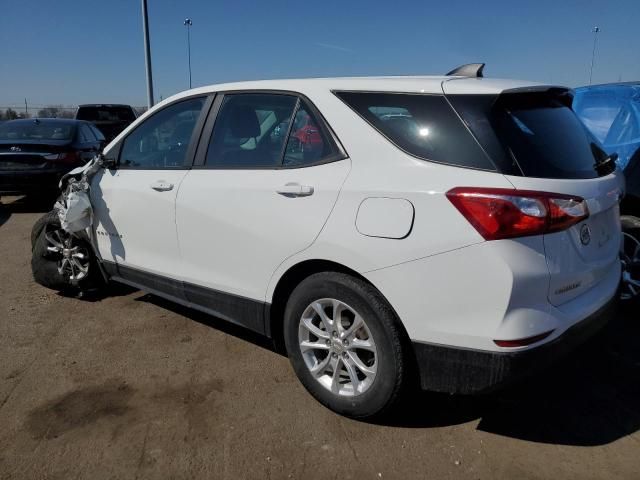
424	126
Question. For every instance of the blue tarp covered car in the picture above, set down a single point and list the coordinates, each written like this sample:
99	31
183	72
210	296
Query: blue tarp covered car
612	113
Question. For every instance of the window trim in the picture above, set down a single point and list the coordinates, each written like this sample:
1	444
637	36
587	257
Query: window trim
494	170
193	141
205	137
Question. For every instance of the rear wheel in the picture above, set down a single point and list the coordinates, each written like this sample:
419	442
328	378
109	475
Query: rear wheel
345	344
630	258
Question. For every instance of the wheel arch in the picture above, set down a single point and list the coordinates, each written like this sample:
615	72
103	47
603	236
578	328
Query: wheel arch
288	282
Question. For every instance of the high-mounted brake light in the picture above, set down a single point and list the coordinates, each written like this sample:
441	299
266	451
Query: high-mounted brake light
498	213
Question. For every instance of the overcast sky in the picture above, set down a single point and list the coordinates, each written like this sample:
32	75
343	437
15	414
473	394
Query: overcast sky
91	51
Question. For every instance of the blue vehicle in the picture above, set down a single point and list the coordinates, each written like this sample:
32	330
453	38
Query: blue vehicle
612	113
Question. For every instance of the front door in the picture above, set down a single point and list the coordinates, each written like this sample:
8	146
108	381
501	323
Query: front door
134	205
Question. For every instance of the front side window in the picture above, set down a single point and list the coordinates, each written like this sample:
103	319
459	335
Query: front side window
162	140
250	131
86	135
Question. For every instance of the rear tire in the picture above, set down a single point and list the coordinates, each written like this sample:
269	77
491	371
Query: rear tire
631	258
357	368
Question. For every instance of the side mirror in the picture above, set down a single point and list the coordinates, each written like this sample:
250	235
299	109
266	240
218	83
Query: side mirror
107	163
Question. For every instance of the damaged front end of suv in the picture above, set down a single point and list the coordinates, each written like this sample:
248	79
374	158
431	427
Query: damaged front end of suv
64	256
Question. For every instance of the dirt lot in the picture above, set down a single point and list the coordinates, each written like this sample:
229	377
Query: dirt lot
134	387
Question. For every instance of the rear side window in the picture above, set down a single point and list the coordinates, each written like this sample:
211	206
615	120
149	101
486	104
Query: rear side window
537	132
424	126
97	133
250	131
307	142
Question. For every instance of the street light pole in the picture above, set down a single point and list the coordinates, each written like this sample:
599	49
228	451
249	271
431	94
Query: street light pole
187	23
595	31
147	54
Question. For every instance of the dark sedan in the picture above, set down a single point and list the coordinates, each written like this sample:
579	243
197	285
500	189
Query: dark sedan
35	153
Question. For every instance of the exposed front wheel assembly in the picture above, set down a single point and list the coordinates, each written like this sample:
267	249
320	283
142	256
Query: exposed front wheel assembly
61	260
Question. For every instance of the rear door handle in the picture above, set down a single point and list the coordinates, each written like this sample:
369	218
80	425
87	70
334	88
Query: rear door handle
295	190
162	186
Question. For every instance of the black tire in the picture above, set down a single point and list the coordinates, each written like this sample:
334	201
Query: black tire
44	264
37	228
393	357
630	224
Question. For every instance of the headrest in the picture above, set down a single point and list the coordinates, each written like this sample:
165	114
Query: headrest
243	122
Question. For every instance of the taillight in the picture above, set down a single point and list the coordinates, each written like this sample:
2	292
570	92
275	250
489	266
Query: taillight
498	213
64	157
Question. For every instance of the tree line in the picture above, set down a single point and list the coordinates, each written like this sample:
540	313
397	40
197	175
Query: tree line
51	111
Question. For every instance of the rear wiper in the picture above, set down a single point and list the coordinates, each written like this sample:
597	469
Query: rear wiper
605	161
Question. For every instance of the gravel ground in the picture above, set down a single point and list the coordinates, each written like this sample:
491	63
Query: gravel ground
132	386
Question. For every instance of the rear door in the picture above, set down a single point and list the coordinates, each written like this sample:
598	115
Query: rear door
134	205
258	195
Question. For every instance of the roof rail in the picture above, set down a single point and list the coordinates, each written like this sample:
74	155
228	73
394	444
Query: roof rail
468	70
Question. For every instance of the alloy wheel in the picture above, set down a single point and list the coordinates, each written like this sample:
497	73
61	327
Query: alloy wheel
337	347
73	258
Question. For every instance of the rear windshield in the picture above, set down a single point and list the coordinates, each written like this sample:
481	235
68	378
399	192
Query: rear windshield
424	126
536	134
36	131
106	114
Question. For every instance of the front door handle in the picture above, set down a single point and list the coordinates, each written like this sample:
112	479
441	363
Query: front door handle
162	186
295	190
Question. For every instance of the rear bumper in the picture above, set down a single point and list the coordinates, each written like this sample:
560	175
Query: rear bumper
469	371
30	181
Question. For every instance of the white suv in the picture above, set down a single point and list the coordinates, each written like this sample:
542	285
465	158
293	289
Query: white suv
454	229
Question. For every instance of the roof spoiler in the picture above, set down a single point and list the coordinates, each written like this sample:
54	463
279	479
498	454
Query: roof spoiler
468	70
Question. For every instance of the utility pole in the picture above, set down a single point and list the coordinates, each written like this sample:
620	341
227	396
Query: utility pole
147	54
188	23
26	109
595	31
